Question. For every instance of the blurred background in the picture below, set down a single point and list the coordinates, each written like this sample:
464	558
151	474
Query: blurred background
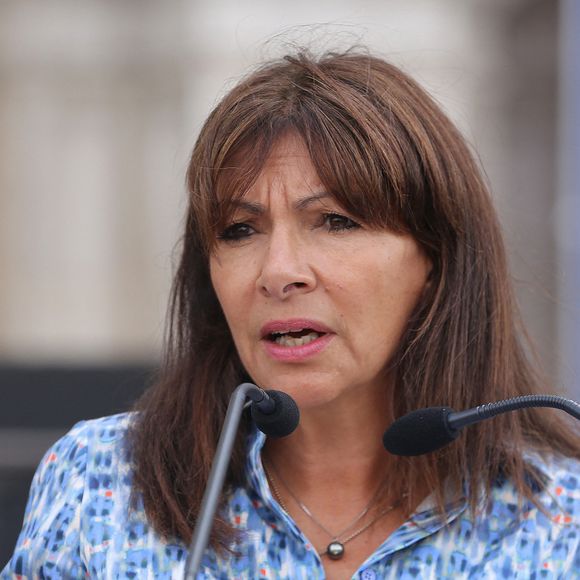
100	104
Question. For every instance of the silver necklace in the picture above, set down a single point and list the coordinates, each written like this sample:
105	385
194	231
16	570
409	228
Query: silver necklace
335	549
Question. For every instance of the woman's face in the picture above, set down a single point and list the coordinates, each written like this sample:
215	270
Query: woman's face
316	301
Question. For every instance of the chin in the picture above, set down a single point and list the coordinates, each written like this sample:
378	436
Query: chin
307	395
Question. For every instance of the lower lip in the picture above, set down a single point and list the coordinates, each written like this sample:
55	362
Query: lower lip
297	353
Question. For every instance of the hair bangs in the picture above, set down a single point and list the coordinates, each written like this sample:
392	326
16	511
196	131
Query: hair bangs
352	171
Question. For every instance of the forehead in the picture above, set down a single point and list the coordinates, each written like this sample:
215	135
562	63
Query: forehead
288	157
287	173
289	146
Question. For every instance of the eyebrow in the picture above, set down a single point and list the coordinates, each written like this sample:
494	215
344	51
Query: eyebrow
256	208
304	202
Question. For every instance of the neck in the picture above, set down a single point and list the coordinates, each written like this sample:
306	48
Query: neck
337	445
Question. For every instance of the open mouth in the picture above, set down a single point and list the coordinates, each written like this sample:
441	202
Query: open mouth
295	337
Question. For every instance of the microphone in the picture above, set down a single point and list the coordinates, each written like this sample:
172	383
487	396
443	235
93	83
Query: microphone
277	415
426	430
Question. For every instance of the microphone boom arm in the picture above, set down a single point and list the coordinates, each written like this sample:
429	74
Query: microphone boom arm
459	419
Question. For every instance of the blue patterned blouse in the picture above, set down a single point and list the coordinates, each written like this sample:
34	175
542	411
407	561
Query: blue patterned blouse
77	524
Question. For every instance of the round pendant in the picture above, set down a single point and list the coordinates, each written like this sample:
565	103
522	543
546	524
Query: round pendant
335	550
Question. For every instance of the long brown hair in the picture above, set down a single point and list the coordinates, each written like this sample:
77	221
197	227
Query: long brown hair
392	159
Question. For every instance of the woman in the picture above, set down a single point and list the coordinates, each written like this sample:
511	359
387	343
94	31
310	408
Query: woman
340	246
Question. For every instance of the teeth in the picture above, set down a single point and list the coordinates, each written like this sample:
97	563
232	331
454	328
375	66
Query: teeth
285	340
282	332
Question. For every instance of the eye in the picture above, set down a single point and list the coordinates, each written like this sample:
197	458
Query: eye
336	222
236	232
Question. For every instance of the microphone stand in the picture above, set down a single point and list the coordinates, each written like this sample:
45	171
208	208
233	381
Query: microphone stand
219	469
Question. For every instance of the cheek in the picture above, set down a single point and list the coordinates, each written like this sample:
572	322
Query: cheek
380	295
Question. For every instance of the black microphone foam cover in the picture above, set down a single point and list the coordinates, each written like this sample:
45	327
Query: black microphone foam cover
282	421
419	432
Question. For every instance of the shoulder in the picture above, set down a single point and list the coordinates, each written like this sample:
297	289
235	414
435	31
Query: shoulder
561	492
69	458
83	465
90	446
104	429
557	494
93	459
544	531
103	439
104	434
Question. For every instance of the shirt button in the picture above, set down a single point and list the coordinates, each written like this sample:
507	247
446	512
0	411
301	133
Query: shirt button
368	574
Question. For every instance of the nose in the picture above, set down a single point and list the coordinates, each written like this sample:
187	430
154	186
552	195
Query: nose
285	270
